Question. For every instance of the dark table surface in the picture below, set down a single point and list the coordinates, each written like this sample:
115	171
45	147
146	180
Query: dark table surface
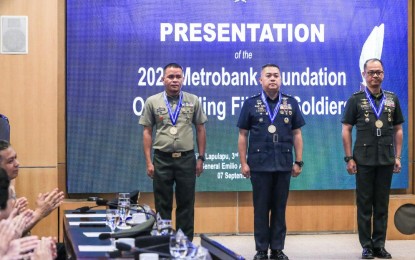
74	235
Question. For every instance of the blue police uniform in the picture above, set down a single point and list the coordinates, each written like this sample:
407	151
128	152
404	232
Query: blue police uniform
270	158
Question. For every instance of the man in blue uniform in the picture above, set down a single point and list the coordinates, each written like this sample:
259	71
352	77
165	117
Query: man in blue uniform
376	155
273	122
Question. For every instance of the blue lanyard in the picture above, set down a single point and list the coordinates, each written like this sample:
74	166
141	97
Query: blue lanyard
175	115
372	104
271	115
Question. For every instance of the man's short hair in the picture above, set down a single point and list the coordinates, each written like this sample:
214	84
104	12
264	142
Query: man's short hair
371	60
172	65
270	65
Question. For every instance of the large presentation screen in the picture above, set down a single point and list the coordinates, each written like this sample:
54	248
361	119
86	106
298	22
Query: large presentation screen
116	50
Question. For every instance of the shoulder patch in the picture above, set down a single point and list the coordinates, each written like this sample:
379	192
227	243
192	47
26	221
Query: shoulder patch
285	95
358	92
389	92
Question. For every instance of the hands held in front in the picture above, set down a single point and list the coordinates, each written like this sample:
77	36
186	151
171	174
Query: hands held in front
21	221
46	249
47	202
21	204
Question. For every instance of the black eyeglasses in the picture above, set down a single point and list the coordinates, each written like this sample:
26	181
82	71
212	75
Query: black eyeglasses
373	73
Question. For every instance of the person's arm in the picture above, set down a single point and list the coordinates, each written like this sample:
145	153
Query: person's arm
7	232
397	139
45	250
21	203
147	143
45	204
22	221
22	248
347	147
201	146
242	148
298	148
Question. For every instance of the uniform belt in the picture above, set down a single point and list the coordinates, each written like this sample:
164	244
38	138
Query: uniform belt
173	154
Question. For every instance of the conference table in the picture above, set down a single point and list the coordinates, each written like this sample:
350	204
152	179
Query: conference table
81	238
80	235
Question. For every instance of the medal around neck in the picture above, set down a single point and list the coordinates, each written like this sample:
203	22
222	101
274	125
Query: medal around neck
173	130
173	115
378	111
271	114
379	123
272	129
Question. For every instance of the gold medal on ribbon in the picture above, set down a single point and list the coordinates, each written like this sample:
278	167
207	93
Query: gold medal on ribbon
272	129
378	123
173	130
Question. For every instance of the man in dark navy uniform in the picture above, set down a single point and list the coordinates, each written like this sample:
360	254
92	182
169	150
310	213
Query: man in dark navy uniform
376	155
273	122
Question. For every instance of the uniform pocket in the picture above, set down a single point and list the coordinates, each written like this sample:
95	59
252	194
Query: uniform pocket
386	151
257	154
287	154
363	153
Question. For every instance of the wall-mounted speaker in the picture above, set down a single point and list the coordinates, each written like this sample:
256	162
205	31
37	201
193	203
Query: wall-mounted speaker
401	220
14	35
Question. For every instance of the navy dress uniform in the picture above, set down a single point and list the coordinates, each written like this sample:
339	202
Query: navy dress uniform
270	158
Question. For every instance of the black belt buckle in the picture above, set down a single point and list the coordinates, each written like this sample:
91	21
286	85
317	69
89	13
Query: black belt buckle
378	132
275	138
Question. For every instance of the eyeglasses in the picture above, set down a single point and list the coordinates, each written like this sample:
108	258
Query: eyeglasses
373	73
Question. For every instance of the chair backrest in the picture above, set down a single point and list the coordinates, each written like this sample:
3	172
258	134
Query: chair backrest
4	128
218	251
